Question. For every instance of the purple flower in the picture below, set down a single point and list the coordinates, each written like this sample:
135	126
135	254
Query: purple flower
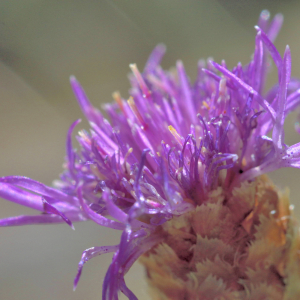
165	149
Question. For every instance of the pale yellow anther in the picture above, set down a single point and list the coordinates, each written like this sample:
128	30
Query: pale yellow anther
128	153
126	165
178	173
135	110
84	136
203	150
175	134
130	102
179	170
117	97
222	87
205	104
140	80
97	173
244	162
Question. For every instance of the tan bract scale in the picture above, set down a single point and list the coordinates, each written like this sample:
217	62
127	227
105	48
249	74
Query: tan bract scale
243	245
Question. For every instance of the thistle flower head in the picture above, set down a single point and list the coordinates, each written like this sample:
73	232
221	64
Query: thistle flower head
175	159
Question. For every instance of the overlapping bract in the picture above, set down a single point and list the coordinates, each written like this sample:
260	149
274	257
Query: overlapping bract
165	149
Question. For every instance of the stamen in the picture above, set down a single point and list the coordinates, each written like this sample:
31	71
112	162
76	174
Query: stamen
140	81
117	97
244	162
178	173
222	87
176	135
127	154
136	112
206	105
84	136
126	165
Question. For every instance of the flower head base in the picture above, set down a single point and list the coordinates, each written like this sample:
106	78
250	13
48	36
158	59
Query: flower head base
179	169
235	246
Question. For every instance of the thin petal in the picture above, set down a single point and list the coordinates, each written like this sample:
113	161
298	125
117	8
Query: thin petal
186	90
275	27
91	253
96	217
39	188
90	112
155	58
113	209
41	219
126	291
19	196
273	51
69	148
277	135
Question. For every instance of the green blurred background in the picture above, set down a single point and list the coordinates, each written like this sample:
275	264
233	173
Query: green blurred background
42	43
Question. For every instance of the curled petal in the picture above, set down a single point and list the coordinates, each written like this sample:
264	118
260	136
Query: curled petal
132	245
113	209
52	210
91	253
96	217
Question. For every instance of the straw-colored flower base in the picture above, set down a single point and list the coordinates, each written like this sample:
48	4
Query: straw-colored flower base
243	245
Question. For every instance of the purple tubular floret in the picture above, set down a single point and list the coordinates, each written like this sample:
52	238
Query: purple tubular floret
89	111
275	27
277	135
239	83
70	150
97	218
272	50
155	58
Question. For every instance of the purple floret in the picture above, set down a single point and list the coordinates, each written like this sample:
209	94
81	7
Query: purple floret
165	149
